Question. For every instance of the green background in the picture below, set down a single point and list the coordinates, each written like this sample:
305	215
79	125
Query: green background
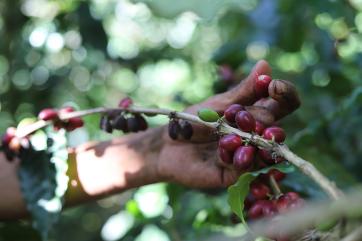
93	53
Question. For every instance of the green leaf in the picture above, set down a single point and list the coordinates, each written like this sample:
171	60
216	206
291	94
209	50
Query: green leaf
239	191
208	115
43	179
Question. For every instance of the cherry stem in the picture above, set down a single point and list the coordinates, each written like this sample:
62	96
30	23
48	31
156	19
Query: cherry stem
221	126
274	185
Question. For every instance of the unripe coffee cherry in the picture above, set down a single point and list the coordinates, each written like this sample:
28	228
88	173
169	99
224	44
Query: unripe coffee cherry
186	130
105	124
259	128
245	121
208	115
230	142
274	133
225	155
231	111
48	114
244	157
119	123
173	129
259	190
261	85
125	103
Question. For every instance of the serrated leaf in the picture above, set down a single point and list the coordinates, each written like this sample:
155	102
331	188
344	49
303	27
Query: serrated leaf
239	191
208	115
43	180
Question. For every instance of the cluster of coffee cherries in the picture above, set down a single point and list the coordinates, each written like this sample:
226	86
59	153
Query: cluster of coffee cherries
123	120
12	144
180	129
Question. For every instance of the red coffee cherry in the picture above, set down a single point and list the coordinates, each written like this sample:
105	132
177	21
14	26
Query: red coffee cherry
225	155
259	128
293	196
278	175
9	135
269	209
231	111
245	121
244	157
249	201
230	142
282	203
74	123
125	103
15	145
256	210
66	109
186	130
48	114
267	157
274	133
261	85
259	190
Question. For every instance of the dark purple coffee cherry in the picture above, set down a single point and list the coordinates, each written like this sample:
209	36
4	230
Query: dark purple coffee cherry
225	155
231	111
173	129
133	124
245	121
186	130
244	157
119	123
105	124
142	123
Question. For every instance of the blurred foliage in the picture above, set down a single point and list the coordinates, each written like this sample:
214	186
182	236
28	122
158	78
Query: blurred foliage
92	53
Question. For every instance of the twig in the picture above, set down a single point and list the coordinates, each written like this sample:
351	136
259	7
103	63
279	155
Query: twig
282	150
275	186
356	235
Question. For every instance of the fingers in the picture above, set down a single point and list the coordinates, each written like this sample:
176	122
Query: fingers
284	100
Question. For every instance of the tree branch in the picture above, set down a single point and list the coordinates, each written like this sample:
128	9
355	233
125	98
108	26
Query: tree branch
280	149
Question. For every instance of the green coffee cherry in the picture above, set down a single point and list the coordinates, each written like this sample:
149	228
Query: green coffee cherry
326	225
208	115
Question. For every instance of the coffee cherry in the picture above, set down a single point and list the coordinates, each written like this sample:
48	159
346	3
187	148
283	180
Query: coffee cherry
231	111
261	85
278	175
9	134
225	155
290	200
245	121
249	201
259	190
256	210
230	142
48	114
15	145
142	123
293	196
105	124
74	123
173	129
274	133
133	124
244	157
125	103
119	123
9	155
208	115
269	209
186	130
66	109
259	128
267	157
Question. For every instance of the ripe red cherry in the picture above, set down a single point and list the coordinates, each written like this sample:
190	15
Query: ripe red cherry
269	209
261	85
274	133
125	102
259	128
244	157
66	109
267	157
245	121
74	123
48	114
259	190
293	196
278	175
225	155
256	210
231	111
9	135
230	142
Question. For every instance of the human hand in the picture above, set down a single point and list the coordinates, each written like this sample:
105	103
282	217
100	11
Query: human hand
196	163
